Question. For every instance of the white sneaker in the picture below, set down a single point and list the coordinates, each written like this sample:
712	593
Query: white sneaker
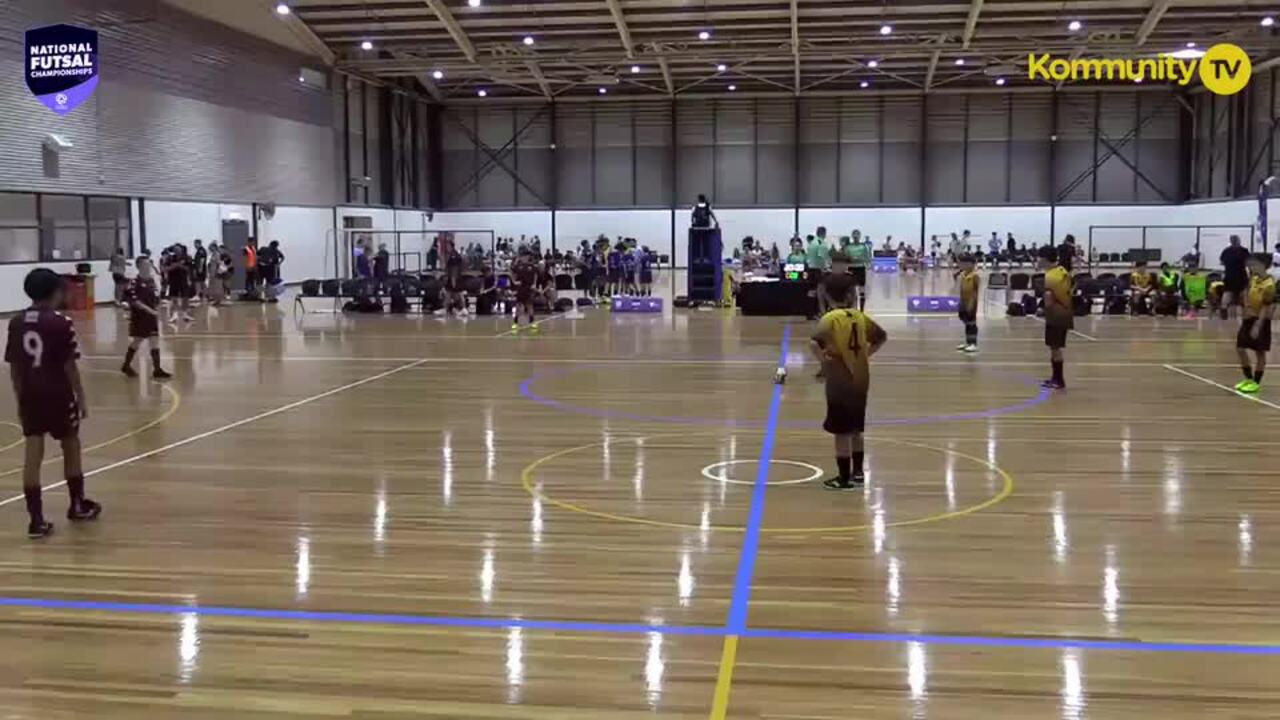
962	346
970	349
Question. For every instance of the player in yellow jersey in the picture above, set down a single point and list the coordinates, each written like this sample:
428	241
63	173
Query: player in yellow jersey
1255	331
843	344
969	285
1058	316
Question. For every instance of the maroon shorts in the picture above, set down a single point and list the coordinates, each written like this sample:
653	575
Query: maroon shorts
524	294
143	324
58	417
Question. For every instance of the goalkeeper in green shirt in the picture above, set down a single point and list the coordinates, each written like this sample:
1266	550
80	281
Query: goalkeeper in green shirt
859	252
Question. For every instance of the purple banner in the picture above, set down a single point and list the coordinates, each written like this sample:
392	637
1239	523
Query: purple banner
933	303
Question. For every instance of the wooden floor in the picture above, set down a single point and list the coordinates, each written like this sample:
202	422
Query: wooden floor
392	518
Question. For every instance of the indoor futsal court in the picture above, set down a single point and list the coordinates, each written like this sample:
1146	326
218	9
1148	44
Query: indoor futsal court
631	359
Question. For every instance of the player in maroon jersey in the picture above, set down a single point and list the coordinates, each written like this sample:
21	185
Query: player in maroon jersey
525	274
42	354
143	300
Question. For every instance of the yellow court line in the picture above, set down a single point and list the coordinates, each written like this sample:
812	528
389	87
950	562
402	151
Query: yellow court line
724	678
168	413
526	480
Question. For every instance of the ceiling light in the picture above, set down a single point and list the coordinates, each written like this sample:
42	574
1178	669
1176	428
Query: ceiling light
704	35
886	29
528	39
1268	21
873	63
959	61
1191	44
864	84
1000	81
635	69
482	92
732	88
473	3
1187	54
438	74
366	45
722	67
1137	79
603	91
302	78
1074	25
282	9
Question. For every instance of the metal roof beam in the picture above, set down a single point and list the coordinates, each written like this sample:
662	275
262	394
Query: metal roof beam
1157	11
455	30
933	66
615	9
795	40
971	24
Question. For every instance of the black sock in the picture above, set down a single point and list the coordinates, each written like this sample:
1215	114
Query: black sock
1257	376
971	333
843	464
155	359
857	462
128	356
75	488
35	504
1222	313
1057	372
1248	372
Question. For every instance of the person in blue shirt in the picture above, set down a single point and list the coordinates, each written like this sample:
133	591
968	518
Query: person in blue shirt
646	272
615	269
630	266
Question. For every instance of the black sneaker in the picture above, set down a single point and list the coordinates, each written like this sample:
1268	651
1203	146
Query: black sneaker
160	374
1053	384
88	510
859	478
35	531
128	371
839	483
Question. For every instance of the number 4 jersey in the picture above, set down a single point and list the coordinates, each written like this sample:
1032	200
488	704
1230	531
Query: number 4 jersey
40	344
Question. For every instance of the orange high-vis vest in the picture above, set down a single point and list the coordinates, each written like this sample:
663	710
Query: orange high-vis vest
250	257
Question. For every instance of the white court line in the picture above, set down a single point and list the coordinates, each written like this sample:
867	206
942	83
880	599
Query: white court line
1073	331
245	421
1231	390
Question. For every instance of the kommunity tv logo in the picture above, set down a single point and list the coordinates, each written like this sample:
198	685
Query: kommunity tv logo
1224	69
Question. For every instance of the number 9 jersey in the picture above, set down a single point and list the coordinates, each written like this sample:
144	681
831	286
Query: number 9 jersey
41	343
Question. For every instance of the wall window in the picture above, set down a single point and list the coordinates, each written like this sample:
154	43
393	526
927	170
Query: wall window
108	226
19	228
62	224
35	227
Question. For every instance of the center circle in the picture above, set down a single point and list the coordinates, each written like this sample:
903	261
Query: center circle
532	488
709	473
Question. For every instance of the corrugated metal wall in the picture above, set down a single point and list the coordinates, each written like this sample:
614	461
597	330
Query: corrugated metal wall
980	149
185	109
1234	139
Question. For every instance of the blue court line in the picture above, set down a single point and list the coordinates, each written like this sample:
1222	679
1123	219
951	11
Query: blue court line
741	602
1033	643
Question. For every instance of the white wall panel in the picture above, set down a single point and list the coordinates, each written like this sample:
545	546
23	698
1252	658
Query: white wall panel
170	222
1028	224
305	238
11	276
767	226
505	224
651	228
900	223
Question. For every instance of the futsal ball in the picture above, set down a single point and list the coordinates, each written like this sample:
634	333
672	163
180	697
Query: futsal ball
780	377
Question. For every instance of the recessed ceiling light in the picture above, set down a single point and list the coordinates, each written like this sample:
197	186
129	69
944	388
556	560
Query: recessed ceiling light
438	75
366	45
1268	21
302	78
722	67
864	84
886	29
1191	44
733	88
482	92
704	35
603	91
1000	81
635	69
873	63
1187	54
1074	25
473	3
282	9
528	39
959	61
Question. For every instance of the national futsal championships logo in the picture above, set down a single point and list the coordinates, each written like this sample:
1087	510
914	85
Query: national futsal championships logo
62	65
1224	69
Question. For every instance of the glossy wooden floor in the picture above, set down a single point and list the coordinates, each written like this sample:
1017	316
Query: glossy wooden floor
389	518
